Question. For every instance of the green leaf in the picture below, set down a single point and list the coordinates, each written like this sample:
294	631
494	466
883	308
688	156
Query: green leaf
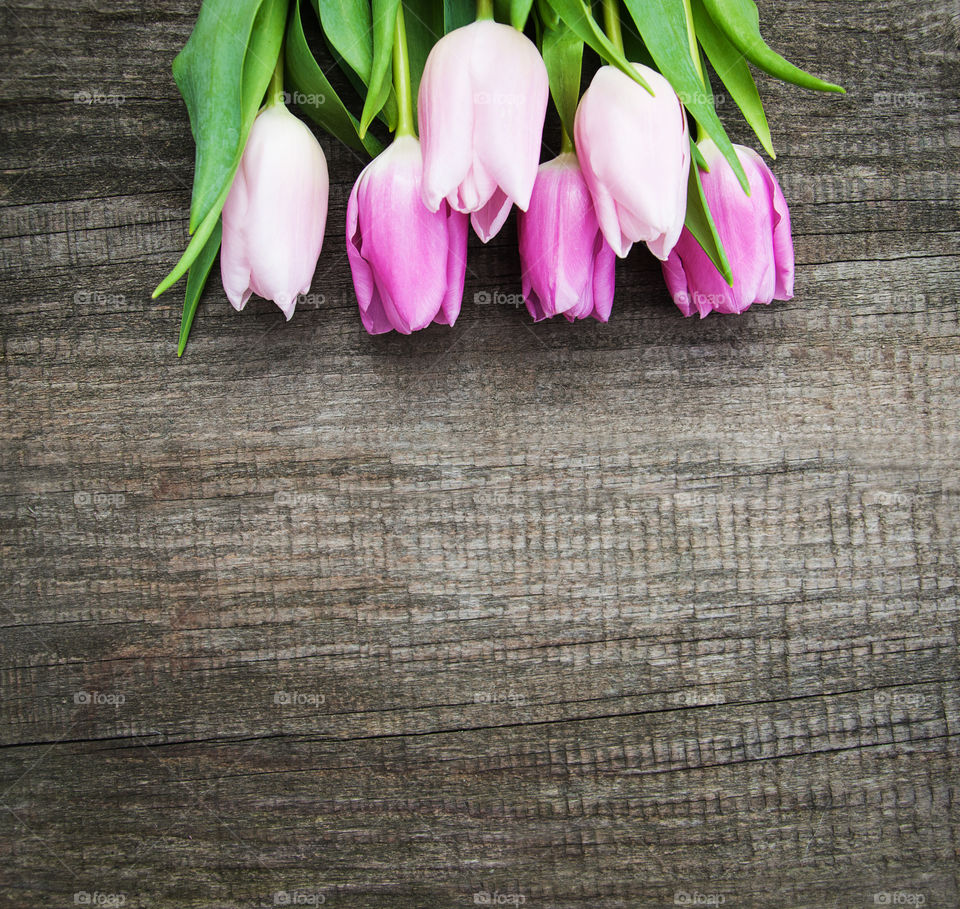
548	15
663	26
319	101
700	222
259	62
378	89
578	16
740	20
458	13
196	279
730	66
348	27
222	73
519	13
424	25
563	54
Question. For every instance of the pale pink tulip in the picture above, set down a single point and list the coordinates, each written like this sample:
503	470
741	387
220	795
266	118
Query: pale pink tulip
275	214
482	101
755	232
634	149
567	265
408	263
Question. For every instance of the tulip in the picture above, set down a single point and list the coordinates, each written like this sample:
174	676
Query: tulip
635	153
275	213
755	232
567	265
482	102
408	263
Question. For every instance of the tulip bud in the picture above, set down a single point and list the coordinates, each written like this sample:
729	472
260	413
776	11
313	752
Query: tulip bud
481	106
634	149
275	213
755	232
568	267
408	263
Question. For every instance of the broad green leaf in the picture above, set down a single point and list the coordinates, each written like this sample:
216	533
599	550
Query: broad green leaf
424	26
384	28
259	63
700	222
457	13
222	73
196	279
731	67
319	101
578	16
348	27
519	13
663	26
633	47
741	22
548	15
563	54
347	30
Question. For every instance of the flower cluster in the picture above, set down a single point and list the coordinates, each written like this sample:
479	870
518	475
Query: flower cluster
469	150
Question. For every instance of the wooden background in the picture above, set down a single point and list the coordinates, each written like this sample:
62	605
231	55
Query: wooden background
657	613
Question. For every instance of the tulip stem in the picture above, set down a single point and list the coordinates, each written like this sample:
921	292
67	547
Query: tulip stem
401	78
275	89
611	23
484	9
566	143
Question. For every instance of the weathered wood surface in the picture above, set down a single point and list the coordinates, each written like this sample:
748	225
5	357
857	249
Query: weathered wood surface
591	616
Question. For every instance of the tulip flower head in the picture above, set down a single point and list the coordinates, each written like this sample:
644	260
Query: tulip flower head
408	263
275	213
634	149
756	236
482	102
568	266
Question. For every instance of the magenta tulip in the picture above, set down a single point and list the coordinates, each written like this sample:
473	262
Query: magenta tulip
634	149
482	101
408	263
755	232
275	213
567	265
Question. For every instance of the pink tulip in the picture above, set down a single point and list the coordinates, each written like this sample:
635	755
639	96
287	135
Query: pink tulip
635	153
568	267
482	101
275	213
408	263
755	232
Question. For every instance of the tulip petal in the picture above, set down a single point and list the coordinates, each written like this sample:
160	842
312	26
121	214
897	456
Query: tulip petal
234	262
457	230
488	220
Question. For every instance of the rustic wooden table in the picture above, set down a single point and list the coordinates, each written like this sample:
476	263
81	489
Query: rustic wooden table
662	612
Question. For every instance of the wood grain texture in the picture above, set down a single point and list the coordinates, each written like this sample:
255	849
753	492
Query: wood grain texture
560	616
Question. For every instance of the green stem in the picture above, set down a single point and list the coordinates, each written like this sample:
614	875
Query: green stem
566	143
611	23
484	9
275	89
401	78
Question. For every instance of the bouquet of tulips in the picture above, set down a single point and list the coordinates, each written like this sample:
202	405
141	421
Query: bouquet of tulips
462	88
